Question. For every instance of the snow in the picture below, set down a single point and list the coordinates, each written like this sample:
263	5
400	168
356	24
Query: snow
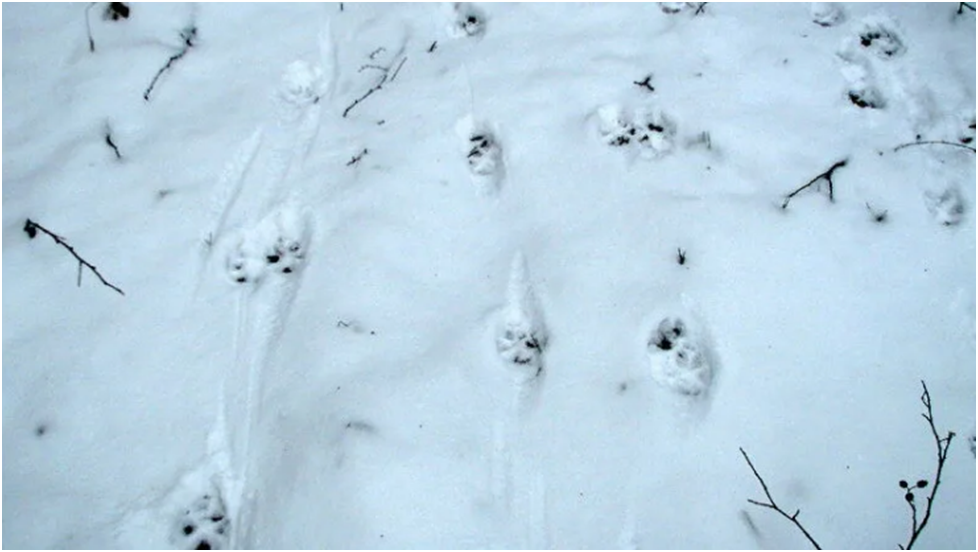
360	399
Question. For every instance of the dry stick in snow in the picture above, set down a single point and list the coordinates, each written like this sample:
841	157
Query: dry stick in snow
965	5
827	175
88	27
108	140
772	505
31	228
356	158
647	83
188	35
943	443
387	77
933	142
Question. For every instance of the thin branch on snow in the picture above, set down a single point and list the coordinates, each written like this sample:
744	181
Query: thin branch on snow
647	83
700	8
387	77
933	142
111	144
432	47
88	27
965	5
827	175
31	228
356	158
188	35
942	443
793	518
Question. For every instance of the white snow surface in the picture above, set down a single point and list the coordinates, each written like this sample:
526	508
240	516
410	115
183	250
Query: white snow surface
358	400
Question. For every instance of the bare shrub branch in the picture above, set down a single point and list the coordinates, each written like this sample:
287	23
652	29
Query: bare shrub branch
933	142
386	76
827	175
187	35
31	228
793	518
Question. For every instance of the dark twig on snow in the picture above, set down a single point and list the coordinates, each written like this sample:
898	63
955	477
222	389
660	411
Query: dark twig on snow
878	216
827	175
933	142
356	158
188	35
647	83
700	8
942	443
962	5
31	228
88	27
108	140
433	46
680	256
387	77
793	518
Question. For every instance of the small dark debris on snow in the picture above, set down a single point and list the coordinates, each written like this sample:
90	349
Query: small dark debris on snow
203	545
40	430
645	83
432	47
356	158
680	256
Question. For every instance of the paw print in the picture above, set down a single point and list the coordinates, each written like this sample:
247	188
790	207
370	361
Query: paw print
522	348
204	525
485	155
878	36
679	360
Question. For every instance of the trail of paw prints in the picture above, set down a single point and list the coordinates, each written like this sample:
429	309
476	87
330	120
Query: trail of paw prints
277	244
680	358
874	43
203	525
647	129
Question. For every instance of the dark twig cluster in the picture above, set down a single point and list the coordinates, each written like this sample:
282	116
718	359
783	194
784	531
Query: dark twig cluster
827	175
188	36
942	443
647	83
387	76
31	228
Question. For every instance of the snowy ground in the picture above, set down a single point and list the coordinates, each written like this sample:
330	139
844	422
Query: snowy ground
462	321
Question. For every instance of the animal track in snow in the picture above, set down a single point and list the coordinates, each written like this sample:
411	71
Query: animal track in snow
947	206
521	335
204	525
878	35
827	14
466	20
680	357
647	128
483	153
277	244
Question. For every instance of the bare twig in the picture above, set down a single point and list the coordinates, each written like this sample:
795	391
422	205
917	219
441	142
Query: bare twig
827	175
188	35
387	77
647	83
933	142
793	518
965	5
680	256
942	443
31	228
108	140
356	158
700	8
433	46
88	27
